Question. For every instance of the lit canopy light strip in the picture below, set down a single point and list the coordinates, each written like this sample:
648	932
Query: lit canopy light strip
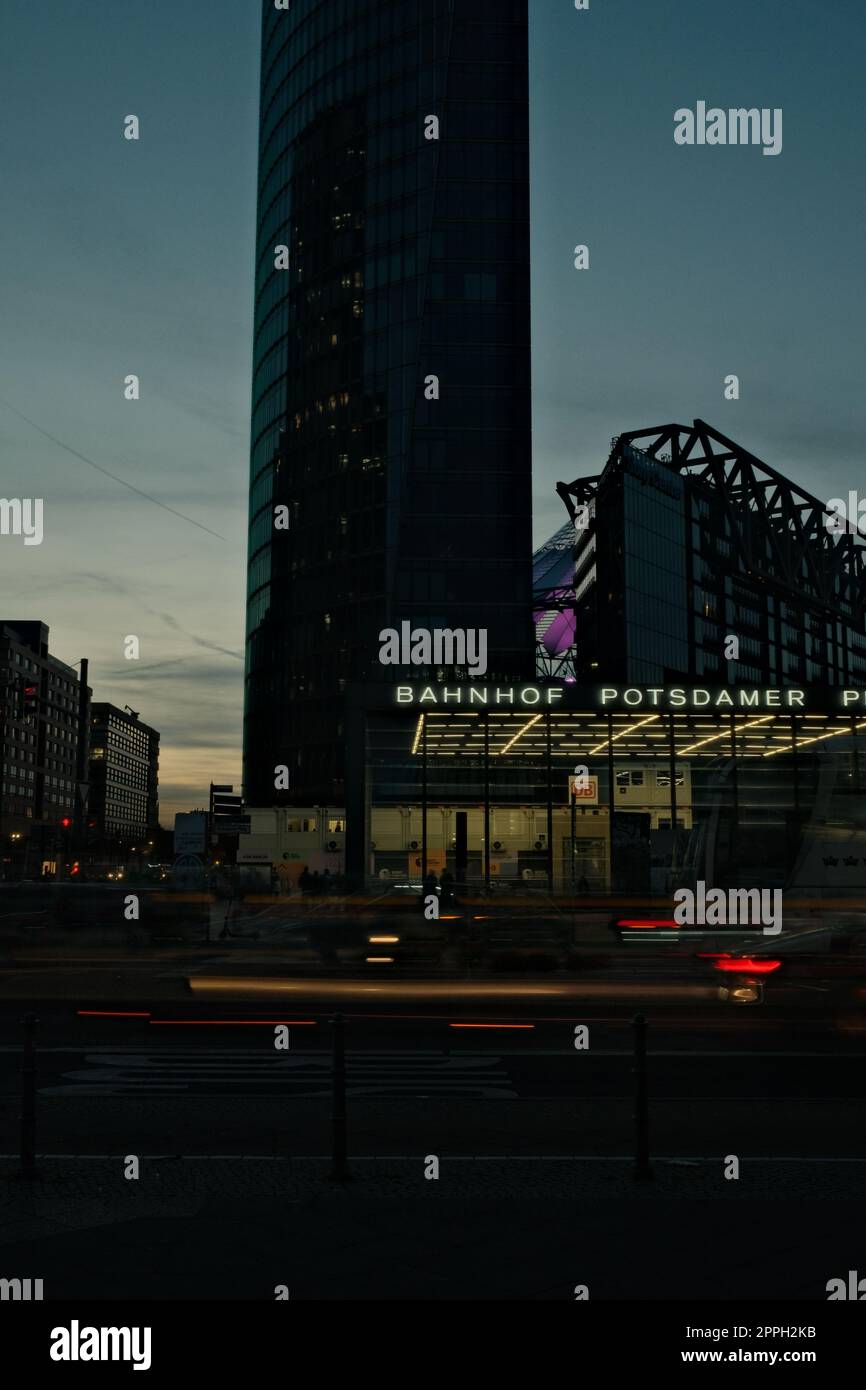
584	735
818	738
726	733
630	729
519	735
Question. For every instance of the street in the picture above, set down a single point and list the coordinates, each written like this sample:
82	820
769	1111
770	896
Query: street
168	1057
175	1087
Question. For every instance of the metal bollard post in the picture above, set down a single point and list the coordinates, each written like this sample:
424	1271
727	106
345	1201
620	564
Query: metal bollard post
642	1166
340	1167
28	1098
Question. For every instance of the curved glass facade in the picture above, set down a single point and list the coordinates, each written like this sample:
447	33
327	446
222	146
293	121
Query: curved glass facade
406	258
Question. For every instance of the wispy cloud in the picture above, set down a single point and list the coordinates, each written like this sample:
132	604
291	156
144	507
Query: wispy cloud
192	637
107	472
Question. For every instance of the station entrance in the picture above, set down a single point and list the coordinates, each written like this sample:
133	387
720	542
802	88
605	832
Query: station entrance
741	799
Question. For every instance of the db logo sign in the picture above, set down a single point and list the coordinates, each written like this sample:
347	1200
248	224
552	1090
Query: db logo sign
584	789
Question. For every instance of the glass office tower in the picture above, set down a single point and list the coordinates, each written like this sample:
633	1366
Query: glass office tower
690	541
385	259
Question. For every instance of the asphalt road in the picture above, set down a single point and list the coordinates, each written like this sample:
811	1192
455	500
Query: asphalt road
534	1137
188	1082
172	1049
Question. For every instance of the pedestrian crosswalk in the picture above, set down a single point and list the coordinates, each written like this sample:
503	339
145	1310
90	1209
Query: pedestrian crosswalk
307	1074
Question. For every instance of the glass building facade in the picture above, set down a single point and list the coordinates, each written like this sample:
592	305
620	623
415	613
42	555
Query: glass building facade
385	260
690	542
652	751
672	790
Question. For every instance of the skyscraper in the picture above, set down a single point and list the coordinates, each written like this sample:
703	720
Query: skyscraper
391	436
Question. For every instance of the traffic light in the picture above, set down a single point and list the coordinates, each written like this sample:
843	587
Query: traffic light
66	822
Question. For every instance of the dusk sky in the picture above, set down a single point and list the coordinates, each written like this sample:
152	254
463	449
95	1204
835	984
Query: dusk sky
119	257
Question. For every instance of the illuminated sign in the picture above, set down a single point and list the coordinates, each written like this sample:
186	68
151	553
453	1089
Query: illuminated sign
501	696
642	699
699	697
584	789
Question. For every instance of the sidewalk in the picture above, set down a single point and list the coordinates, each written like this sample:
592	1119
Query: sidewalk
235	1228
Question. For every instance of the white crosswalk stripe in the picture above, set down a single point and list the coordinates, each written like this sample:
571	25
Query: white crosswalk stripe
305	1074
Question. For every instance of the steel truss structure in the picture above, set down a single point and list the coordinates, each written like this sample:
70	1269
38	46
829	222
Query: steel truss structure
779	532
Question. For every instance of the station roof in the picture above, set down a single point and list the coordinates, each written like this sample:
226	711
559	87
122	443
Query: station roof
575	735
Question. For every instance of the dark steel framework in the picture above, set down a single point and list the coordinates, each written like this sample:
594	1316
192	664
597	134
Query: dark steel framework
552	597
561	665
779	533
794	522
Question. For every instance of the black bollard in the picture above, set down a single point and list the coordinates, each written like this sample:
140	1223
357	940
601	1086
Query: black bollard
642	1166
28	1098
340	1167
